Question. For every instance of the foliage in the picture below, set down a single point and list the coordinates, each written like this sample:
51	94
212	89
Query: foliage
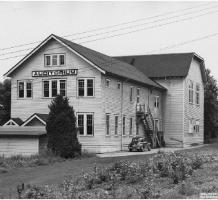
61	129
5	101
28	161
210	106
126	179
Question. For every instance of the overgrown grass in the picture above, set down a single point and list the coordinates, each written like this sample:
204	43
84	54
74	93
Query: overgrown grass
126	179
46	158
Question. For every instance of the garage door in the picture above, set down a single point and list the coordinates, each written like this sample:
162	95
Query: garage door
18	146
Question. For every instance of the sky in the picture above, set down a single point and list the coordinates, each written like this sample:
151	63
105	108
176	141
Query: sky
113	28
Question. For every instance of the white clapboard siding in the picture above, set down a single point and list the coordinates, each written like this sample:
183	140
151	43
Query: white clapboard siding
192	110
173	110
18	146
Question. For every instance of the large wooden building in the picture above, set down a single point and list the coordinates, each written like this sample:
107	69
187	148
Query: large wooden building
109	96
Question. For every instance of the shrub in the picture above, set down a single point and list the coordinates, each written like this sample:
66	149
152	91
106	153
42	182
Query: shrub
61	129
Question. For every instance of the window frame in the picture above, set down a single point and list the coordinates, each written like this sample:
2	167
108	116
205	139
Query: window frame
131	126
131	93
116	125
50	87
124	125
85	128
137	95
107	120
190	91
157	101
24	89
197	94
118	85
51	59
85	79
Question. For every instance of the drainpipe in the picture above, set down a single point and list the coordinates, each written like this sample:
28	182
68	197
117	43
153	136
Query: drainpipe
121	111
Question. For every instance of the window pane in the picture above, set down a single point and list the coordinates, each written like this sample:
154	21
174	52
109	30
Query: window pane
21	89
81	124
89	87
61	59
107	83
81	88
116	125
107	124
54	88
131	93
63	87
89	124
47	60
54	60
29	89
124	124
130	126
46	88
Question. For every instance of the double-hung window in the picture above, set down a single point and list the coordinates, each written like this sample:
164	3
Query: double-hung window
156	101
131	94
124	125
25	89
54	60
138	95
51	88
130	125
116	125
197	94
85	122
190	91
107	124
85	87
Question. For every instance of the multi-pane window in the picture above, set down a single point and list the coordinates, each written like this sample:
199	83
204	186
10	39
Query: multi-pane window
124	125
86	87
89	124
63	87
51	88
46	88
156	101
197	94
55	60
131	94
138	95
130	125
25	89
85	123
156	125
107	124
194	125
21	89
190	91
54	88
81	124
116	125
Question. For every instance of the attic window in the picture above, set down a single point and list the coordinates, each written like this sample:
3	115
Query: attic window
54	60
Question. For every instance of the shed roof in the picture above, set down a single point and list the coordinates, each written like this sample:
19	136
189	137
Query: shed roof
164	65
106	63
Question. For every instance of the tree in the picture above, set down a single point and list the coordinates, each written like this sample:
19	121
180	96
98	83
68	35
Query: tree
210	106
5	101
61	128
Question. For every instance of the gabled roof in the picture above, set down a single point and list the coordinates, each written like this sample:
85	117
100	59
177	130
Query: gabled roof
103	63
41	117
164	65
17	121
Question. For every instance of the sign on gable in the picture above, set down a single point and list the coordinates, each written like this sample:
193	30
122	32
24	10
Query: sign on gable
49	73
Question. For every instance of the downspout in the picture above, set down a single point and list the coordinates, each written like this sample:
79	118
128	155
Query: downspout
121	111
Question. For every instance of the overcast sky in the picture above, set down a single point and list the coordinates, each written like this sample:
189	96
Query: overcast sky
143	27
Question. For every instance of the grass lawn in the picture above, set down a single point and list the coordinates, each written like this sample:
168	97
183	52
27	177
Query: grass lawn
57	172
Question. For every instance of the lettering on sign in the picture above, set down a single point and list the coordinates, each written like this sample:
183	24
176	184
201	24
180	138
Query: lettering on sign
62	72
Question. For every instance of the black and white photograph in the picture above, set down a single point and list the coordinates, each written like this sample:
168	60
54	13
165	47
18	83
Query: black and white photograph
108	100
